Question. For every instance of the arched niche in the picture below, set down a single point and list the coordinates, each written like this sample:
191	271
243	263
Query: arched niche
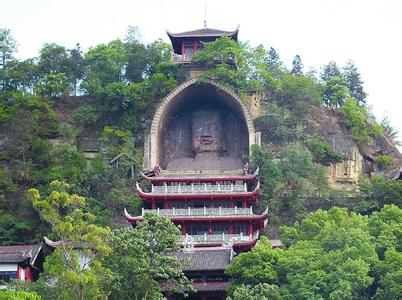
170	136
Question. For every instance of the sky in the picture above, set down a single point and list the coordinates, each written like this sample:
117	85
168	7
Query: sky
367	32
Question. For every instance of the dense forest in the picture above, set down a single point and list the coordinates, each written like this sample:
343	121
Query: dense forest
337	245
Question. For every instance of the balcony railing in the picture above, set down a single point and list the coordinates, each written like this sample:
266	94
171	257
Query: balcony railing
219	238
199	212
199	189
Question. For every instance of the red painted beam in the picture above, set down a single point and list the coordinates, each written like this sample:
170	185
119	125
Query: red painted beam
199	179
147	196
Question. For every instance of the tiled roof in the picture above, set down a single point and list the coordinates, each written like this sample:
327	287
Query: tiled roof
203	32
202	259
19	253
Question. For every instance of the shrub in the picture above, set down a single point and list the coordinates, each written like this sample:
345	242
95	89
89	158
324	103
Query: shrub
85	115
384	161
322	152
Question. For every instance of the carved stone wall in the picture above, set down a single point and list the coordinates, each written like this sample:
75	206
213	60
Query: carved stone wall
177	138
346	174
254	105
192	95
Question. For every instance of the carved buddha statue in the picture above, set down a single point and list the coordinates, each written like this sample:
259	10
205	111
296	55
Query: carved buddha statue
207	133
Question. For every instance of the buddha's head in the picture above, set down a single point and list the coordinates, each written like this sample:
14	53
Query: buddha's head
207	131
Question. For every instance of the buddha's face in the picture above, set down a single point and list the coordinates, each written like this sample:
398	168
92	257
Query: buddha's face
207	131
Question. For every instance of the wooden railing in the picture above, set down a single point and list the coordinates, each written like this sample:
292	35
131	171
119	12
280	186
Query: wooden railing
205	211
199	189
220	237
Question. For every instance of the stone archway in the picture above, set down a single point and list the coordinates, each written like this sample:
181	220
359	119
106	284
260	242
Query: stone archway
172	102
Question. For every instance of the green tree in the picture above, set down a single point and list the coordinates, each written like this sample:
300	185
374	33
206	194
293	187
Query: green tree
144	261
297	65
354	83
289	182
335	92
105	64
275	65
18	295
8	46
53	59
323	153
330	70
8	43
390	272
254	267
53	85
298	88
355	120
75	267
21	76
330	256
261	291
76	67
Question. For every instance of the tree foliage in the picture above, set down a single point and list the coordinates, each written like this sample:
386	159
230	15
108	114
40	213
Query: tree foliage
144	262
289	182
329	255
75	267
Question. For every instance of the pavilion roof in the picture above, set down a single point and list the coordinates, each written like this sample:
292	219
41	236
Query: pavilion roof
210	33
19	253
206	258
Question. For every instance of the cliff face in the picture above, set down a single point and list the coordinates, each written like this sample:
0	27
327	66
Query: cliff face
360	158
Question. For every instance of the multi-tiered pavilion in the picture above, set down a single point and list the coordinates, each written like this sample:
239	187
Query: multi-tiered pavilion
196	171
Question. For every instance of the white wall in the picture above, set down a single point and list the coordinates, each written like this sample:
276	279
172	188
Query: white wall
8	267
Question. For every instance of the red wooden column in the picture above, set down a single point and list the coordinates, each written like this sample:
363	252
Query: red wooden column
244	202
153	204
250	229
165	204
183	229
231	205
230	229
210	228
28	275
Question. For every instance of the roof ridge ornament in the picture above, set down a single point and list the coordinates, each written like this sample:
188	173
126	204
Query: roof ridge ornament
205	15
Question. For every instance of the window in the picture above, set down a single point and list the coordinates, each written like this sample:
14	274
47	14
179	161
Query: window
240	228
196	279
197	230
7	276
215	279
219	229
188	52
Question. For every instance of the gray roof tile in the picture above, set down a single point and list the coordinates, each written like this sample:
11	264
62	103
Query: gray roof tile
19	253
203	259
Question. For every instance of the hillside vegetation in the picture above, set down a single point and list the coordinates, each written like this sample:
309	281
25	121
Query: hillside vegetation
52	103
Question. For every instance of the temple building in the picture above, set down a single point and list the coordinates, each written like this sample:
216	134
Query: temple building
20	262
195	171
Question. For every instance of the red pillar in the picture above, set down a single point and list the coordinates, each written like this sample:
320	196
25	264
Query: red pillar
165	204
153	204
28	275
210	228
183	229
231	202
230	229
250	228
244	203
